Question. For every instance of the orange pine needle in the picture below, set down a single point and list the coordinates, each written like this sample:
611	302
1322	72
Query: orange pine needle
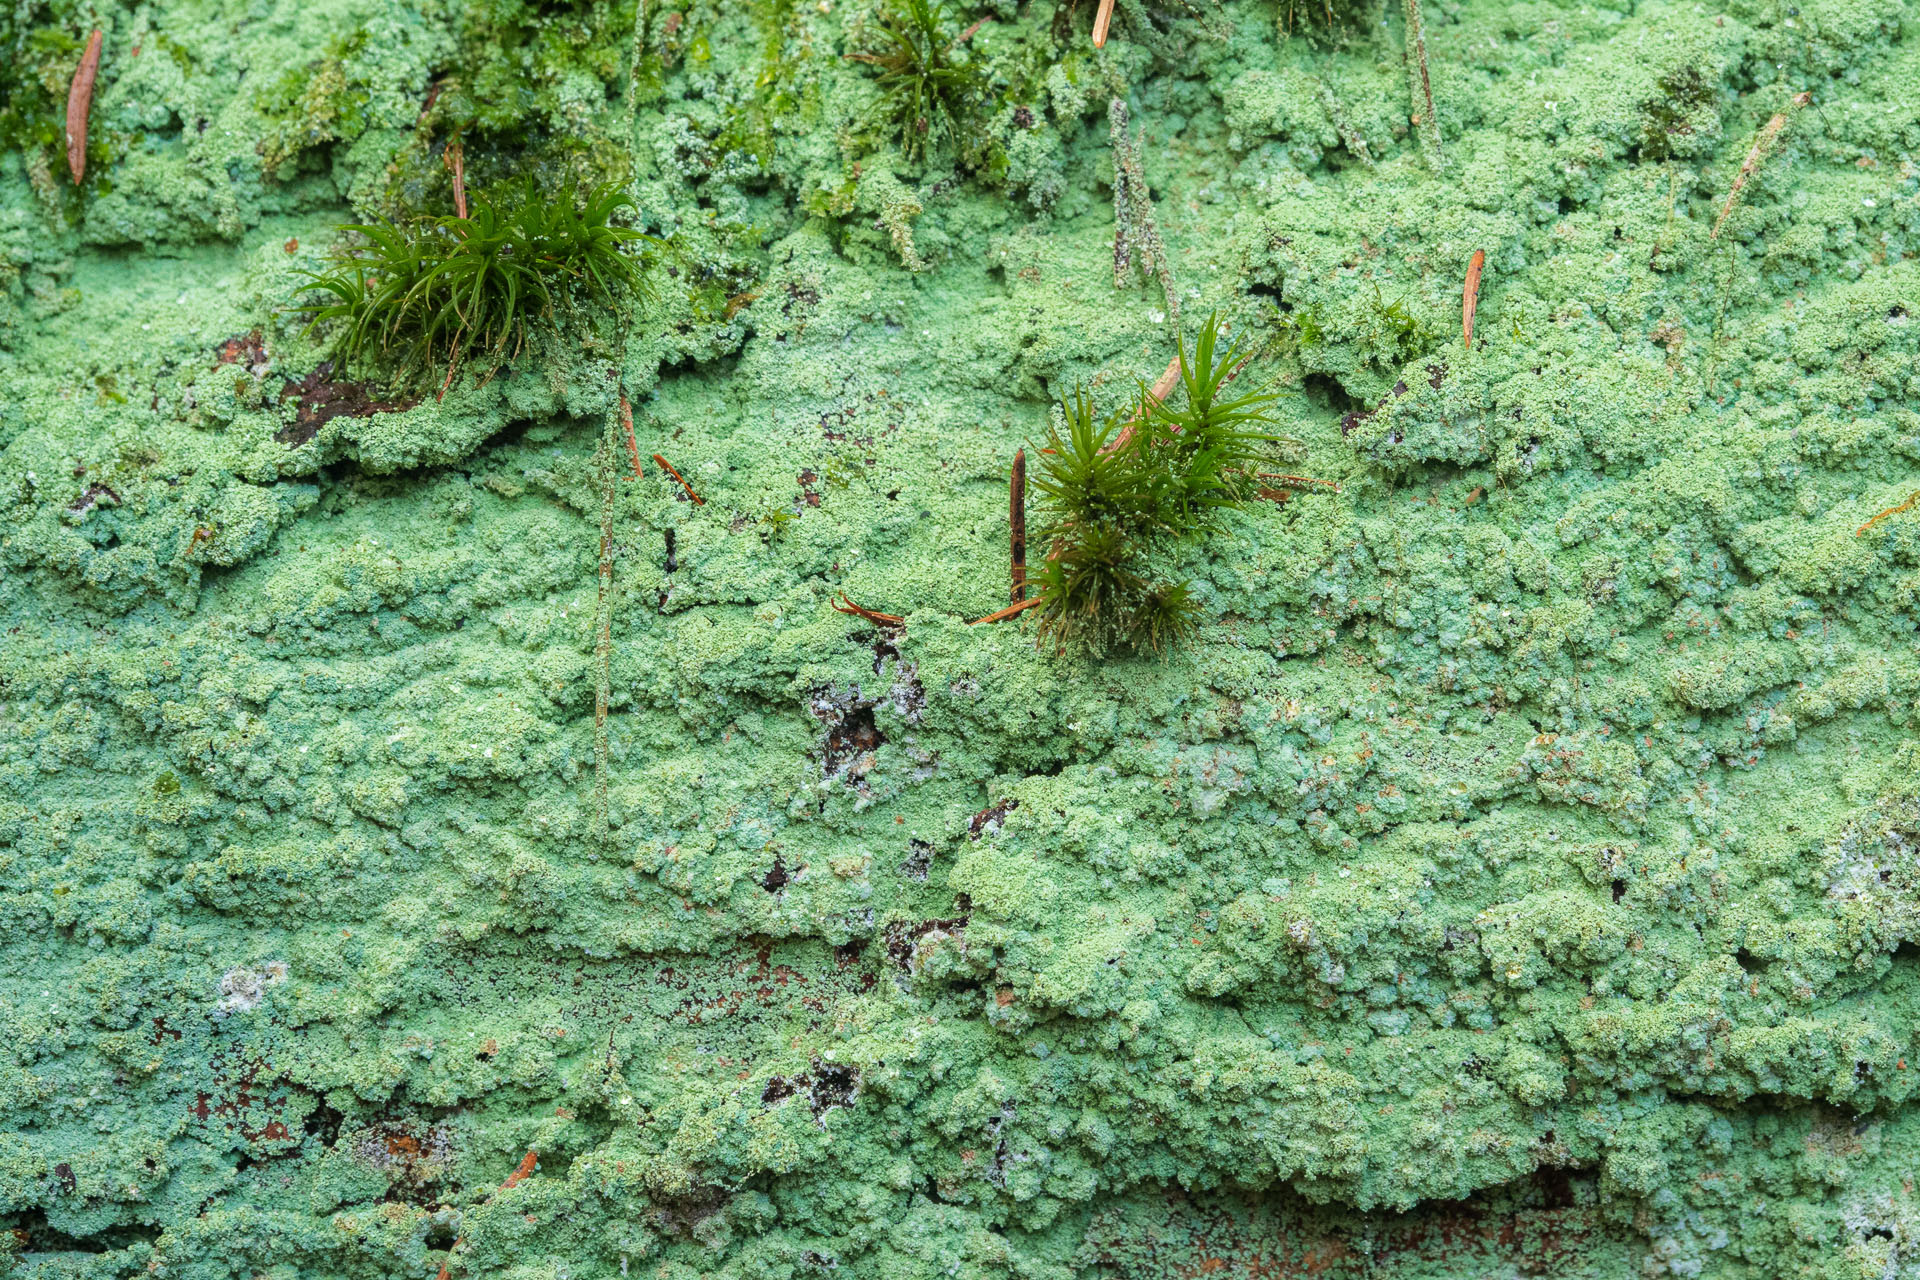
667	467
1001	615
1161	389
1102	19
847	606
80	104
514	1179
522	1172
1470	296
1890	511
633	446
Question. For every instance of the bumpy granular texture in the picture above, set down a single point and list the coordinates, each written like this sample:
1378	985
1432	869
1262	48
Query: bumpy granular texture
1518	875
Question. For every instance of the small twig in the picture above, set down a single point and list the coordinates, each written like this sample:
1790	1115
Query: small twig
1470	295
667	467
1102	20
1001	615
603	644
514	1179
847	606
1017	522
1281	475
1890	511
80	103
456	160
1768	132
633	446
1420	87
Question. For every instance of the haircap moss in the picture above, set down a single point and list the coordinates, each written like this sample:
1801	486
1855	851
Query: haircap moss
1119	488
930	92
403	296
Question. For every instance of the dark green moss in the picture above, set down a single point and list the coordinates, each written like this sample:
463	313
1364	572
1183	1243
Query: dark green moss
932	94
401	298
1118	489
1670	119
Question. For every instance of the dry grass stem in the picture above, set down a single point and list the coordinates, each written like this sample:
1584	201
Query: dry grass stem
1761	144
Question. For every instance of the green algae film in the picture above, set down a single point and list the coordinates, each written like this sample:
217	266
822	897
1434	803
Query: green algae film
1516	875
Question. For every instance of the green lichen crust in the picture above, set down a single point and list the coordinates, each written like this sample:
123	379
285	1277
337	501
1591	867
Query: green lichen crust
1517	873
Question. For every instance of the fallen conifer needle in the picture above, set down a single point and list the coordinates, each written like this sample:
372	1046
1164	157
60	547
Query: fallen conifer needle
520	1174
79	104
845	605
1751	165
667	467
452	365
1470	296
456	161
1001	615
1890	511
1281	475
1162	388
633	446
1102	20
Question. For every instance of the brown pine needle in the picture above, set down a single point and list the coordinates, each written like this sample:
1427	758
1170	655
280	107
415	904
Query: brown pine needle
633	446
667	467
1162	388
455	159
1017	522
452	364
1890	511
80	104
1470	296
1001	615
847	606
514	1179
1102	20
1281	475
1761	142
523	1172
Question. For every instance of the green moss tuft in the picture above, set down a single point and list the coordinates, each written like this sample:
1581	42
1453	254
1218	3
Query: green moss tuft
931	93
1120	488
406	297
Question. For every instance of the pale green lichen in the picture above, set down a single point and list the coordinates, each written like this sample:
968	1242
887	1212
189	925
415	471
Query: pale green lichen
1516	875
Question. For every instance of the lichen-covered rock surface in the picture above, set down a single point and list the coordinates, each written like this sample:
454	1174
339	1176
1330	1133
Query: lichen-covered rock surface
1519	874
